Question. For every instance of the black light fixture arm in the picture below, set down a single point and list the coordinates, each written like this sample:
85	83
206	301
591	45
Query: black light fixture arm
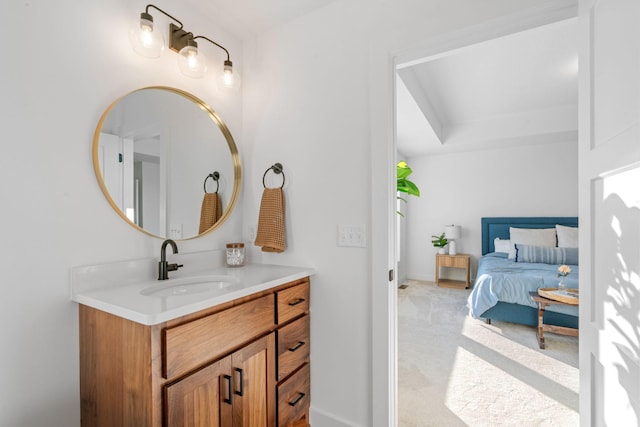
146	11
211	41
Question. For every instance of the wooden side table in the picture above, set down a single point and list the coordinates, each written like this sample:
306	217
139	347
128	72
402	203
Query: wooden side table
542	327
453	261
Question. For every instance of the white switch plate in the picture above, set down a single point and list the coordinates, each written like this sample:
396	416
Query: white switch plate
352	235
175	231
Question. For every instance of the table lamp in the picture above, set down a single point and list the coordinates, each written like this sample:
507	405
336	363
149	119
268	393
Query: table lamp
452	232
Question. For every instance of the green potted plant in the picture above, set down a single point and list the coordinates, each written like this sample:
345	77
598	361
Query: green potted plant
403	184
439	242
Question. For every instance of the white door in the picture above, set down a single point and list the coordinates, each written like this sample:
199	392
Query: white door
116	163
111	166
128	205
610	213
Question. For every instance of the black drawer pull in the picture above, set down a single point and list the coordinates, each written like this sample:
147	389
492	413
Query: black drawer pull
229	393
295	401
296	302
296	347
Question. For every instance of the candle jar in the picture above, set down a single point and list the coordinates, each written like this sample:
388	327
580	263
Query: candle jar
235	254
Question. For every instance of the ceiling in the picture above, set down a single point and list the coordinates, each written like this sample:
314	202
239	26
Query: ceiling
518	89
248	18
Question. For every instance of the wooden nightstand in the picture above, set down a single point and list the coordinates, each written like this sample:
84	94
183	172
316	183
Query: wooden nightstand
453	261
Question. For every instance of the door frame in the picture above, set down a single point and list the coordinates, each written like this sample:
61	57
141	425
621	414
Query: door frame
387	52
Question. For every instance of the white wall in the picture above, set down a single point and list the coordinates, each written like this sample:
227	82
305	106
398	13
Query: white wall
67	62
307	106
461	188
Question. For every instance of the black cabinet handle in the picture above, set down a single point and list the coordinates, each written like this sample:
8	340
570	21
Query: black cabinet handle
295	401
296	347
296	302
229	393
241	382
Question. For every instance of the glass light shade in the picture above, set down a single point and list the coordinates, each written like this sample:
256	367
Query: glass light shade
144	40
228	79
191	62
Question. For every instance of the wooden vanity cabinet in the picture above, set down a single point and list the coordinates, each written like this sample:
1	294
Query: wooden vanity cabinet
242	363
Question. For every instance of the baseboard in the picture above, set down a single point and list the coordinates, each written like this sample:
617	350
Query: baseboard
423	277
320	418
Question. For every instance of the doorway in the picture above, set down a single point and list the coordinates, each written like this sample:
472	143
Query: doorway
385	57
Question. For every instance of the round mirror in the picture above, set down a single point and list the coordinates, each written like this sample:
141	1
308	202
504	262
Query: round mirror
166	163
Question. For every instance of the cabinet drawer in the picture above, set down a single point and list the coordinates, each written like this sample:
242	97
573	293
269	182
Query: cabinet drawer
292	302
193	344
294	398
293	346
453	261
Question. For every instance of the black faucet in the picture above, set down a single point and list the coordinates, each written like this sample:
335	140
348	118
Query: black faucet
163	266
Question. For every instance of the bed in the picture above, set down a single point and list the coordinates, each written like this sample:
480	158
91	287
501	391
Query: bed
502	285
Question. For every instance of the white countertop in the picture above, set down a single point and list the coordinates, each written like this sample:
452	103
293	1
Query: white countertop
126	298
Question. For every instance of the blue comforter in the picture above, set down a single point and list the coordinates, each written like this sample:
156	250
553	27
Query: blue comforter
502	279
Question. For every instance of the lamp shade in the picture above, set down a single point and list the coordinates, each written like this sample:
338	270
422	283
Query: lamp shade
144	39
228	79
191	62
452	232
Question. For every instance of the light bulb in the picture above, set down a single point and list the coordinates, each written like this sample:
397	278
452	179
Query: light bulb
144	40
191	62
228	79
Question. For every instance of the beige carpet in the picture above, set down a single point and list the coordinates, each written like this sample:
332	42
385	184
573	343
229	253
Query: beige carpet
457	371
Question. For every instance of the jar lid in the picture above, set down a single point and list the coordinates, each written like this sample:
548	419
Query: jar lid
235	245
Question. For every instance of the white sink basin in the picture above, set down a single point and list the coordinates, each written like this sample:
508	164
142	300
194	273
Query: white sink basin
189	286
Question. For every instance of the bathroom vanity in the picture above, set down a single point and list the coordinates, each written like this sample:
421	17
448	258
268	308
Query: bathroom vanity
204	345
230	351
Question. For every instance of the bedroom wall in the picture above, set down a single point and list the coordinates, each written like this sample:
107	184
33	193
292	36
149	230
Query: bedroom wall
460	188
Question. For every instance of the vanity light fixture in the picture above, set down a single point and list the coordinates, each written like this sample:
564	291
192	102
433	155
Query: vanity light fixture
148	42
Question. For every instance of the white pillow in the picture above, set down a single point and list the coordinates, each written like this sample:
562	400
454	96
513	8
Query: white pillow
531	236
567	236
501	245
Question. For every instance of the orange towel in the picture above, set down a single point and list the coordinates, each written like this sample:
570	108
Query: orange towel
271	233
211	211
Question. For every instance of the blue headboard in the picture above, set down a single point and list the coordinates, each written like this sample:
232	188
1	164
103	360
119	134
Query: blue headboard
499	227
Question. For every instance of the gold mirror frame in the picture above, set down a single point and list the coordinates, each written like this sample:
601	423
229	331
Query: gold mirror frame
237	172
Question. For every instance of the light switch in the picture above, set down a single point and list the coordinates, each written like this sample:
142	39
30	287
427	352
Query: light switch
352	235
251	233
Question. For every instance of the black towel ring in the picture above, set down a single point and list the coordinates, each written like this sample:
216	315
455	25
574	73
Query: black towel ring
214	176
277	169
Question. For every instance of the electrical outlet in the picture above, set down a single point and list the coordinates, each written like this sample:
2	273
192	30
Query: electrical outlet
175	231
352	236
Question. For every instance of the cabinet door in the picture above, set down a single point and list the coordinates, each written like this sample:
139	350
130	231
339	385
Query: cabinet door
202	399
253	370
